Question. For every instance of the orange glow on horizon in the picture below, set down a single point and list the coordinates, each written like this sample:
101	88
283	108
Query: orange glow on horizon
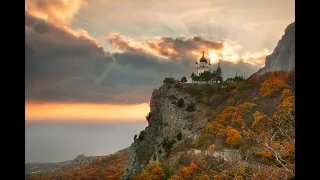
82	111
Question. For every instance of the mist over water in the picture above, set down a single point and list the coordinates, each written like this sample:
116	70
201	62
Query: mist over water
61	141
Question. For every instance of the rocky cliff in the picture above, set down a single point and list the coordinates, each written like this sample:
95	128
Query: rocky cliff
283	56
166	121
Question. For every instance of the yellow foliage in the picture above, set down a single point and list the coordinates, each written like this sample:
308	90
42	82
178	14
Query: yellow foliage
212	147
204	177
288	103
257	116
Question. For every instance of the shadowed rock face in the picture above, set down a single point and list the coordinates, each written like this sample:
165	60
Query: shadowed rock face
166	121
283	56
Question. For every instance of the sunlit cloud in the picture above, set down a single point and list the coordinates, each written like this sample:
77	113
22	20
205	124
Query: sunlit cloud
178	48
59	13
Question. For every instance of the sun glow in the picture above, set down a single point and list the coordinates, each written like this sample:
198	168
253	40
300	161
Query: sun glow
214	58
80	111
229	53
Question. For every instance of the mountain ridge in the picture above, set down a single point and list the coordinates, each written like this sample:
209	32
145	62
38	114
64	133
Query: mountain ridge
283	55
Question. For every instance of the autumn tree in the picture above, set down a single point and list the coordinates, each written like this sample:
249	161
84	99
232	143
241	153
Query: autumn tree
234	137
186	173
215	129
231	86
152	171
272	86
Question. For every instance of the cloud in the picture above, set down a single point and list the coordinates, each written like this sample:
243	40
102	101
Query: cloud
66	64
58	64
185	49
68	67
59	12
63	67
179	49
255	25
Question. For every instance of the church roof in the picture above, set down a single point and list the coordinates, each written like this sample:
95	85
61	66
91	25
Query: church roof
203	59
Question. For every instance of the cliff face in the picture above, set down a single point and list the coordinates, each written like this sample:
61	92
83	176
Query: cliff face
283	56
166	121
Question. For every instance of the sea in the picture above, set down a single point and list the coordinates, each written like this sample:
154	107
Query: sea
58	141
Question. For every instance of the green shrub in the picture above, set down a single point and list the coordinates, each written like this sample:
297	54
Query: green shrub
172	97
141	135
180	102
167	171
168	144
191	107
168	80
179	136
183	79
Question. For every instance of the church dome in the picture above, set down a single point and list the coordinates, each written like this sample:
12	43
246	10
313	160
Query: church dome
203	59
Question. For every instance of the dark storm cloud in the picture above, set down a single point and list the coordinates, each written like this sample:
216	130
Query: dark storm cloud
63	67
60	66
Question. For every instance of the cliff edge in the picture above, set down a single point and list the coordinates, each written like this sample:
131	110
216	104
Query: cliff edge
283	56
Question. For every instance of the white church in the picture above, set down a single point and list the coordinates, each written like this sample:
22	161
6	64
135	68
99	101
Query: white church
203	65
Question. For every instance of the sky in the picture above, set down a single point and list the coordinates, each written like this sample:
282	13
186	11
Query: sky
100	60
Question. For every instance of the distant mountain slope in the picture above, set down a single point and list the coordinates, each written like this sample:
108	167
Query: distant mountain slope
283	56
82	167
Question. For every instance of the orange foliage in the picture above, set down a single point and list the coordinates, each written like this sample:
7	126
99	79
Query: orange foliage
278	74
185	173
175	177
110	167
258	116
233	115
272	86
288	104
152	171
215	129
234	137
241	111
245	107
253	79
224	116
286	93
231	86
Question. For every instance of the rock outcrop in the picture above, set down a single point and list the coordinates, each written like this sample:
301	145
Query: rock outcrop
167	120
283	56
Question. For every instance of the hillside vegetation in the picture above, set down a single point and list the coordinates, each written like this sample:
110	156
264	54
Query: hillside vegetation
255	117
251	121
109	167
